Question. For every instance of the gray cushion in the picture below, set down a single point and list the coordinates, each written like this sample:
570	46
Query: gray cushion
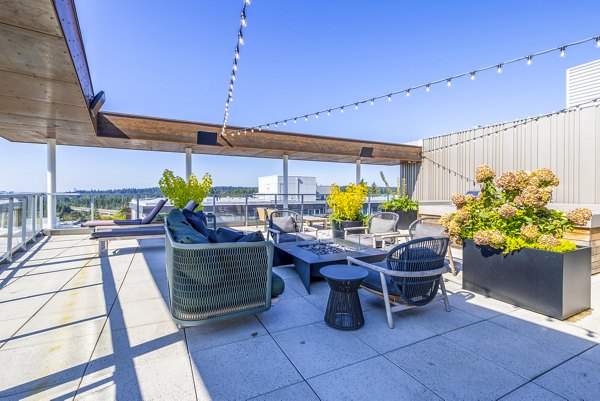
379	225
176	218
187	235
284	224
129	232
256	236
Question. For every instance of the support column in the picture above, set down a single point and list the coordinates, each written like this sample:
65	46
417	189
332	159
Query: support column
285	181
51	184
358	171
188	164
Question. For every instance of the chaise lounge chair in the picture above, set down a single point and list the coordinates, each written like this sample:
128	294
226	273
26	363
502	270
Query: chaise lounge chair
94	224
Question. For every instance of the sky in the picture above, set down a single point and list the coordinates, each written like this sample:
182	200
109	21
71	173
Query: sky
173	60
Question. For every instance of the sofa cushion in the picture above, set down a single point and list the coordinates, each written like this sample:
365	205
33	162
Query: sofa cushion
197	220
175	218
277	285
379	225
224	234
284	224
294	237
187	235
256	236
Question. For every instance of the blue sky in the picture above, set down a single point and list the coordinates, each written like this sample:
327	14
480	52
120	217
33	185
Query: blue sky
173	59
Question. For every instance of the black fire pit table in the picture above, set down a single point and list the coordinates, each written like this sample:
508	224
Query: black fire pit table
343	308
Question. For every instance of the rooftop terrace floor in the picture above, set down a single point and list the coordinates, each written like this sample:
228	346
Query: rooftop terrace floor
75	326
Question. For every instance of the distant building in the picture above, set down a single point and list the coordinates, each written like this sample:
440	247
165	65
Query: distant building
273	184
583	83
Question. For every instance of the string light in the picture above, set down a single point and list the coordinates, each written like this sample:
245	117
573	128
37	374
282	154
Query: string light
234	68
448	80
317	115
305	118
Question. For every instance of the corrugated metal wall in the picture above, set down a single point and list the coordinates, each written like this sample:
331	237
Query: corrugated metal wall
583	83
567	142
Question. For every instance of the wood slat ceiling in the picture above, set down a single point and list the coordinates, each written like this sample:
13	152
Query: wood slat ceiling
45	91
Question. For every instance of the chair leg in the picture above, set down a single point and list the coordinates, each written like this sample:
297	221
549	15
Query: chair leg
451	260
445	294
386	299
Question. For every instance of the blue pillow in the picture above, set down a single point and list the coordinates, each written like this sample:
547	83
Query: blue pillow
256	236
224	234
197	220
187	235
176	219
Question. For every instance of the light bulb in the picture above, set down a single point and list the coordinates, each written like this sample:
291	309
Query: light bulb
317	115
342	109
305	118
260	128
235	66
427	87
237	53
295	120
275	125
499	68
372	102
244	23
473	76
598	41
245	131
267	127
389	98
252	130
449	82
241	39
285	123
238	132
248	2
562	51
355	106
328	113
233	78
407	92
529	60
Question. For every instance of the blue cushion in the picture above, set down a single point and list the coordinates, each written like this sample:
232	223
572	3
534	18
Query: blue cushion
256	236
277	285
228	235
197	220
373	281
187	235
176	219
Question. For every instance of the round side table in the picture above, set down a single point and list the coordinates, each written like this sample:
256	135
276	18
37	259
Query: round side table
343	308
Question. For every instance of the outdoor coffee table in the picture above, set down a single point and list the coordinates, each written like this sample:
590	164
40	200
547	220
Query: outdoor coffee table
343	307
308	263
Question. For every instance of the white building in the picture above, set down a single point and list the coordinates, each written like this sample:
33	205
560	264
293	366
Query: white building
273	184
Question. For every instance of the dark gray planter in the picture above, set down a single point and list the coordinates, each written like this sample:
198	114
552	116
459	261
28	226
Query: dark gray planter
551	283
405	218
337	227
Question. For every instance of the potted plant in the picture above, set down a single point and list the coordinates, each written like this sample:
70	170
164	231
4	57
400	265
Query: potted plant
179	192
401	204
513	246
346	205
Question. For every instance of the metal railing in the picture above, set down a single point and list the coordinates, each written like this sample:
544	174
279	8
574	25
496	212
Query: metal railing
21	221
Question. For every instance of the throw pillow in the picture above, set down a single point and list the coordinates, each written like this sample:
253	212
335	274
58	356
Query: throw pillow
256	236
187	235
228	235
284	224
176	219
379	225
197	220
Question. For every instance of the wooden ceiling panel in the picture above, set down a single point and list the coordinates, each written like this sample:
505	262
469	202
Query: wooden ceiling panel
34	15
38	88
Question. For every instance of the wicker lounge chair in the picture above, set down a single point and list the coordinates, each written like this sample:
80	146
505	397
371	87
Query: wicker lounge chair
216	281
286	226
380	226
410	276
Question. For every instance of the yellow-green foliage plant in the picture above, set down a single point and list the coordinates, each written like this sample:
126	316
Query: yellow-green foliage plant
180	192
347	205
510	213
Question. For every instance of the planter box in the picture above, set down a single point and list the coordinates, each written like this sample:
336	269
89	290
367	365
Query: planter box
405	218
337	227
551	283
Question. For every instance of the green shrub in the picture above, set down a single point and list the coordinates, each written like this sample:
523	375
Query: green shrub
180	192
402	201
511	213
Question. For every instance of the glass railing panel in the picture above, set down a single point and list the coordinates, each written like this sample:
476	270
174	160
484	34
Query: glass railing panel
4	227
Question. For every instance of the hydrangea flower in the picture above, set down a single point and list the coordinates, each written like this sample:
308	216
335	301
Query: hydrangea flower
534	197
484	173
513	180
543	177
458	200
548	241
580	216
493	238
530	232
507	211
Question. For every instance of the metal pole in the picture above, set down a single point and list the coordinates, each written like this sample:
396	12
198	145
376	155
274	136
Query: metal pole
92	207
33	216
10	229
358	171
368	204
24	223
285	182
51	183
246	209
137	207
188	164
214	205
302	206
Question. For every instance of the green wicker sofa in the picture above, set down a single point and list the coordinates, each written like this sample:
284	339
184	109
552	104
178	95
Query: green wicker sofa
210	282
